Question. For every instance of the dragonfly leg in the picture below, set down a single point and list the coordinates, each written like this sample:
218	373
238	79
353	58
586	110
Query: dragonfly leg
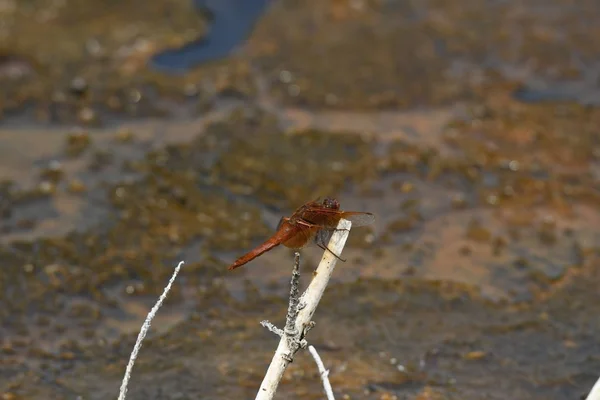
322	236
327	249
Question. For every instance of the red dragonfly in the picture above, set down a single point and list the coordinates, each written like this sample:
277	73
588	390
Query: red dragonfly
312	221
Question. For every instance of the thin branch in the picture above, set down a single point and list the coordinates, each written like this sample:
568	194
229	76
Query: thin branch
144	331
323	372
272	328
290	333
290	319
306	309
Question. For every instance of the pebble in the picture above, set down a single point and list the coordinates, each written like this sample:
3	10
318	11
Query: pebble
78	86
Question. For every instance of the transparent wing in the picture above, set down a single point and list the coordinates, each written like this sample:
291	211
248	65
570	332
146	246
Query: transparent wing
358	218
329	218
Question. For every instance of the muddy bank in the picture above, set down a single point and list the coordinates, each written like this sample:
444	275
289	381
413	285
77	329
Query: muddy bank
478	279
447	229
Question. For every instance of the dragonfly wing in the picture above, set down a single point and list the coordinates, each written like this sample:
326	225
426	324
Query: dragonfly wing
329	218
358	218
323	235
302	235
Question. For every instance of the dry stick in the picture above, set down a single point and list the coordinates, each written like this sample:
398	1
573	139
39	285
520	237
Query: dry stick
292	314
308	304
290	332
143	332
323	372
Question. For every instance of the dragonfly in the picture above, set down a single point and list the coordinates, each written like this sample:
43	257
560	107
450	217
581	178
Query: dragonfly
313	222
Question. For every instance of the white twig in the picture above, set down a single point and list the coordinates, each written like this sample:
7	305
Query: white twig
144	331
308	304
272	328
595	392
323	372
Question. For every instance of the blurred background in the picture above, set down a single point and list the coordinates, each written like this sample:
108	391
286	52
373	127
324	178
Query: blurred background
135	134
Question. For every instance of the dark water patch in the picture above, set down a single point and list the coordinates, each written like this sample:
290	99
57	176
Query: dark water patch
580	93
230	23
585	89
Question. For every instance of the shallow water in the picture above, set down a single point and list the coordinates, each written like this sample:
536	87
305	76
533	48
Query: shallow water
231	21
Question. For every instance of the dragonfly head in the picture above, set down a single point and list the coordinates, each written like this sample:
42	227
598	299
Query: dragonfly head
331	203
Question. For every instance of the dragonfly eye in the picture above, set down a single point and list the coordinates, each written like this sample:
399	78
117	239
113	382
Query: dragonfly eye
331	203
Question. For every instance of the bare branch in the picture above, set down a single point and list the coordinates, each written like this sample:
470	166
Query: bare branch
306	309
144	331
290	319
290	322
272	328
323	372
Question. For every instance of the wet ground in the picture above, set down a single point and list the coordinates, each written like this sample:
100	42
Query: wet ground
469	128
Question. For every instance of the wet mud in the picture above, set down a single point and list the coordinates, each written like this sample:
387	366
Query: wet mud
469	129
